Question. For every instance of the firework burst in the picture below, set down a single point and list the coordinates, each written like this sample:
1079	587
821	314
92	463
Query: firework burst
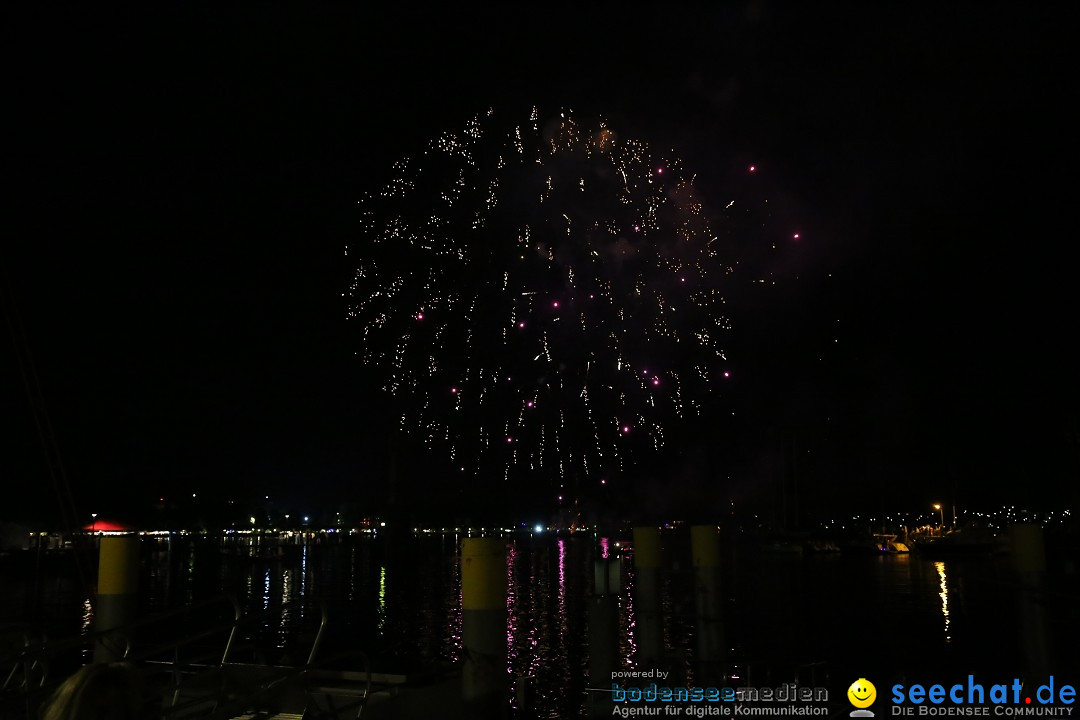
541	300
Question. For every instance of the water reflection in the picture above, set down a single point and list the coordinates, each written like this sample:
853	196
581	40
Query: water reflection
86	627
779	610
452	604
303	578
546	636
352	575
627	625
286	608
563	629
303	569
382	597
511	603
534	640
189	579
266	589
944	595
87	617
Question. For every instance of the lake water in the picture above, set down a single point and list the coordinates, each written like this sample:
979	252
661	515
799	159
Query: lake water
891	618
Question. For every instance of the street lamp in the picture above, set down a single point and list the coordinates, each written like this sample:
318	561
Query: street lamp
93	526
937	506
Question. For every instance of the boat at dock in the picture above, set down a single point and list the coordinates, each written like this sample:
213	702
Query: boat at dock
966	542
875	544
889	544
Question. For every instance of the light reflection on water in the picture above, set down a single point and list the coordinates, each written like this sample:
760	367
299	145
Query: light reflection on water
303	576
627	629
403	606
382	597
287	621
87	617
451	644
944	595
512	629
352	574
266	590
564	626
546	637
249	585
189	577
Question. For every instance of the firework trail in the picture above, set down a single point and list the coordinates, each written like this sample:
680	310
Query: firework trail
542	300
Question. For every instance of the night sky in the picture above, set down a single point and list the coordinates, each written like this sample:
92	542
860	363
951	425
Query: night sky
182	188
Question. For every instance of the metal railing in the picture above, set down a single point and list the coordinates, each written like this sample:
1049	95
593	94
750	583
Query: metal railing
28	667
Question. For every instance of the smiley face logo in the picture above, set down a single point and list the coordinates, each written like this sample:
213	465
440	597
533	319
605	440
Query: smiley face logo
862	693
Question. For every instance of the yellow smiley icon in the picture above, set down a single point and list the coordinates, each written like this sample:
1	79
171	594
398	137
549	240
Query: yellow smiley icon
862	693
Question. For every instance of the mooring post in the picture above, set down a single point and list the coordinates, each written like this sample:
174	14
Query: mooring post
603	634
705	551
485	682
117	598
1029	563
648	616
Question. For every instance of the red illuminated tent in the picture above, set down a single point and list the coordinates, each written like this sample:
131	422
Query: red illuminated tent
106	526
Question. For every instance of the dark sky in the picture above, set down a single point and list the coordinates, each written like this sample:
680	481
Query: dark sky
182	188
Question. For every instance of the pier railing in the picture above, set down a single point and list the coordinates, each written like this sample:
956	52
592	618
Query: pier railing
183	673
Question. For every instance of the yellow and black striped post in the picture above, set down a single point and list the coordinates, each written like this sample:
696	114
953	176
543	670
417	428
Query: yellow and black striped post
705	552
648	616
1029	562
117	598
485	684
